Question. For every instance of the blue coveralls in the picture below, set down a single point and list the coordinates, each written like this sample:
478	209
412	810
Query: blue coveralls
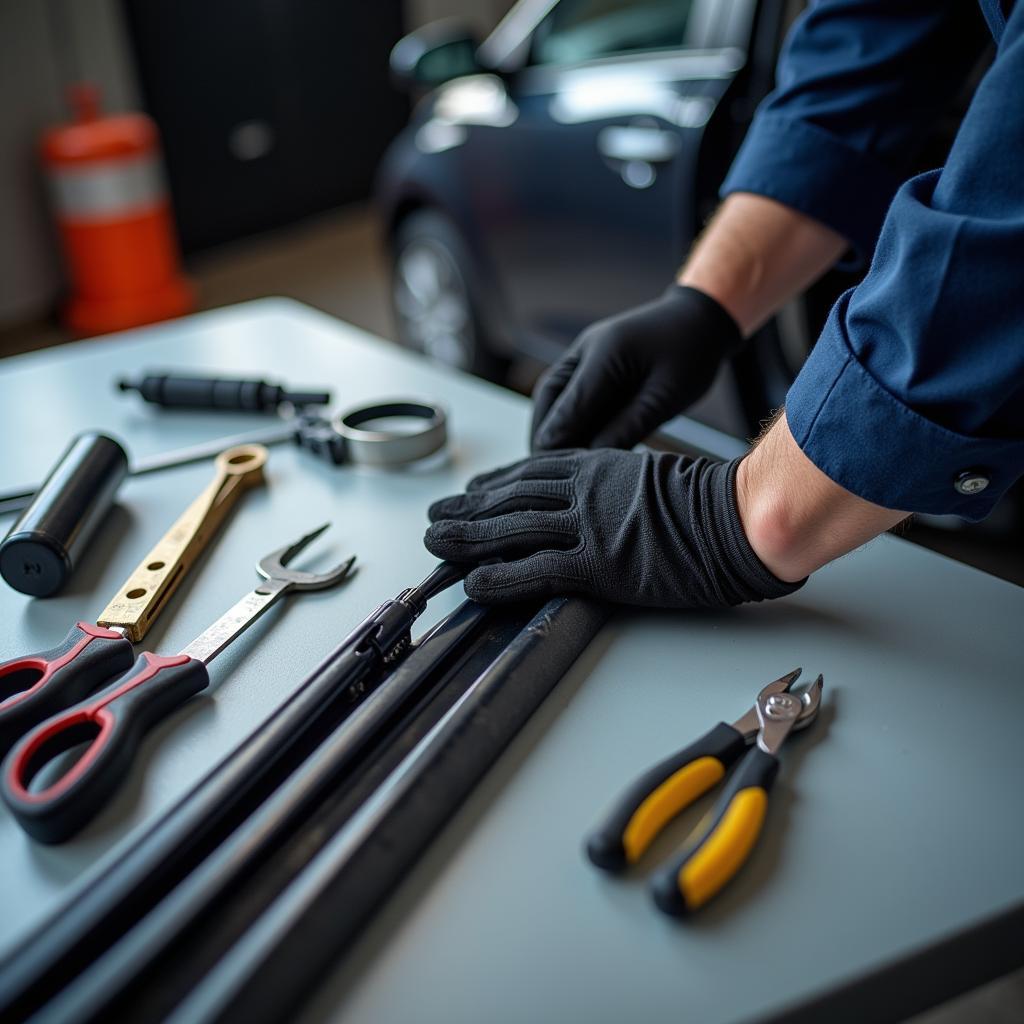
913	396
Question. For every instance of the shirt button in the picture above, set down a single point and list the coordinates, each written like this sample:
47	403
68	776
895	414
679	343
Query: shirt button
970	481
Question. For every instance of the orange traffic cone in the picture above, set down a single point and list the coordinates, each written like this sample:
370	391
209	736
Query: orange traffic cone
114	219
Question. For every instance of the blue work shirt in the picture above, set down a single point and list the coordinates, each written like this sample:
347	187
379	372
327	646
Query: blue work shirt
913	396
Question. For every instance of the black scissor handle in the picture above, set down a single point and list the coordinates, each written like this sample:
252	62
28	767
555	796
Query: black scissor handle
35	686
113	722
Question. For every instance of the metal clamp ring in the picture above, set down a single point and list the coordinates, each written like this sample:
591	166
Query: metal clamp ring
392	447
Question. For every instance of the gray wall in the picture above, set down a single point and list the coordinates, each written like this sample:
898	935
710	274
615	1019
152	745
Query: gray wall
30	82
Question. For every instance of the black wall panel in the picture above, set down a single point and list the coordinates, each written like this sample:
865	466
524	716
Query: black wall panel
269	110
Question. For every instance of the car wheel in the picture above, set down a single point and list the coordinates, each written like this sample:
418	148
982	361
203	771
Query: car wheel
436	308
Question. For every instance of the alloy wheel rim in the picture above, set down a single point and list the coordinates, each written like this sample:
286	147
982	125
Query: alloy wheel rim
432	302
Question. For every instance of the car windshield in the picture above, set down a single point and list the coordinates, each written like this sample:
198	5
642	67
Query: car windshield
579	30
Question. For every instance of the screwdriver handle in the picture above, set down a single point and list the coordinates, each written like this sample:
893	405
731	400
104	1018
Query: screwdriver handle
180	392
113	723
725	843
35	686
661	793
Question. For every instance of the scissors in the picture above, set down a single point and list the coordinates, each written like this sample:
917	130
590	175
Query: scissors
114	720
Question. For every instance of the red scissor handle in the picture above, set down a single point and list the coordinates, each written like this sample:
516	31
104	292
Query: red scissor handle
113	723
36	686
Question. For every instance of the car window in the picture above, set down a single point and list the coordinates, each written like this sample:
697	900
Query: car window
579	30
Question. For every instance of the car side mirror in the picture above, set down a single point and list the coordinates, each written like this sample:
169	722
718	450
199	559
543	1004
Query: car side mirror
434	54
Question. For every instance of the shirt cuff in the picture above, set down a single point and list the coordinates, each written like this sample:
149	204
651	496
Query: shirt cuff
873	445
811	170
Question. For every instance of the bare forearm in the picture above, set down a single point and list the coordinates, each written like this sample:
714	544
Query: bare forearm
794	516
756	254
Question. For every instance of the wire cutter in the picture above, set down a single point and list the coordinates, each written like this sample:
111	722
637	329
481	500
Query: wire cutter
717	852
113	721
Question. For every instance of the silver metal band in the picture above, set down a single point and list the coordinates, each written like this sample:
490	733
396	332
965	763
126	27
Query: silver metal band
392	447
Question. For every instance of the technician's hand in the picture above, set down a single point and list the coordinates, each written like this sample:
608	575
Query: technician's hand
635	528
625	376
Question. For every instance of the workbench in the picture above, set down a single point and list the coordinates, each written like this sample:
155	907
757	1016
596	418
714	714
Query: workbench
891	870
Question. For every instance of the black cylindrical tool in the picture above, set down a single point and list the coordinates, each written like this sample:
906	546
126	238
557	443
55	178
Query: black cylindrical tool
42	548
177	392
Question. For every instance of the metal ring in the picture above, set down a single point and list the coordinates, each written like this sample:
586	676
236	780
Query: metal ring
392	447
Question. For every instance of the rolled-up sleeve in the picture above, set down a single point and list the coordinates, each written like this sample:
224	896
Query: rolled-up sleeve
913	396
859	83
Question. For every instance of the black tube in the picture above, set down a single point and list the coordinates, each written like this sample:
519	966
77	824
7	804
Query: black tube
40	552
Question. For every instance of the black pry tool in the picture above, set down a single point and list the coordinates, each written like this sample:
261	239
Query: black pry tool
175	391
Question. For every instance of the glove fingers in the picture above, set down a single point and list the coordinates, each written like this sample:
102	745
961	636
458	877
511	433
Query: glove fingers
540	575
589	400
533	467
550	385
457	506
532	496
505	536
640	418
521	496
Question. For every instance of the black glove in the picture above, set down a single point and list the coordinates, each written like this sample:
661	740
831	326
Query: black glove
625	376
641	528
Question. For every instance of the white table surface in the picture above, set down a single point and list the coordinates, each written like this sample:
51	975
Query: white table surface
895	823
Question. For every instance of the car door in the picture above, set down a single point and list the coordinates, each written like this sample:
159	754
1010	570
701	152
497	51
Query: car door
590	196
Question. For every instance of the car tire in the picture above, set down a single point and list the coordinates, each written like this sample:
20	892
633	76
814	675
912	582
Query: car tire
435	299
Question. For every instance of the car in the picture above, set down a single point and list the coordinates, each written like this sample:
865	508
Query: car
558	171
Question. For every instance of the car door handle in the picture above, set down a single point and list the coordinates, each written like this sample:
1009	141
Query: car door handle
636	142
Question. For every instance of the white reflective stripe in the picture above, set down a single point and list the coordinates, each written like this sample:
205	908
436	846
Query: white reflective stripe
108	188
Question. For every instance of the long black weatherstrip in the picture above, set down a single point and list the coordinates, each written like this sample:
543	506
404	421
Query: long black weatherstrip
107	905
277	963
481	690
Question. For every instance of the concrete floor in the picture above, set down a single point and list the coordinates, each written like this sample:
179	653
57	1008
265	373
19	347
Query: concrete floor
337	263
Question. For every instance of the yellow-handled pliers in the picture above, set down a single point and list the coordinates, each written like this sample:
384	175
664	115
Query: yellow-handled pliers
723	845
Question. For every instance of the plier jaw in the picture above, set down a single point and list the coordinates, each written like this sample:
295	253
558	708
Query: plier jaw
784	712
778	711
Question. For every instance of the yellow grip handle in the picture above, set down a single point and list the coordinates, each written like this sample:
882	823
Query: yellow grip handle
678	791
655	798
722	854
726	842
